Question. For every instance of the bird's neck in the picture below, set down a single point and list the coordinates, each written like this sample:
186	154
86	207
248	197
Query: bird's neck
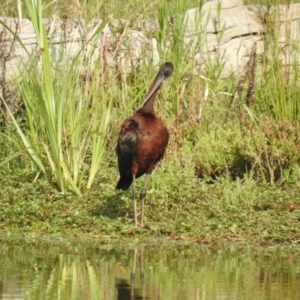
148	107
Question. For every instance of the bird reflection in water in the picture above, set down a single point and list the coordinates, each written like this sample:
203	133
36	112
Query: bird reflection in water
128	291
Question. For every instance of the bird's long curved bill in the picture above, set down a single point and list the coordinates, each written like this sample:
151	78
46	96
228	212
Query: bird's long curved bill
155	86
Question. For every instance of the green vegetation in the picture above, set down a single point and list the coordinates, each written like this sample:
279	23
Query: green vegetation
232	166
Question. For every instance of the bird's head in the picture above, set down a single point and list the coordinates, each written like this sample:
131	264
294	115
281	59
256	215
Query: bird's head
166	70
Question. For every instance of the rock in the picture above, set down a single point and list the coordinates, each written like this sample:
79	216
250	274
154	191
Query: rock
231	30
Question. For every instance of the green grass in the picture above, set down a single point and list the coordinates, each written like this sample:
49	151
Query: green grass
178	205
232	167
100	9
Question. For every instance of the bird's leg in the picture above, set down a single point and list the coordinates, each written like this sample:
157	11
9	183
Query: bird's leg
134	199
132	283
142	276
143	195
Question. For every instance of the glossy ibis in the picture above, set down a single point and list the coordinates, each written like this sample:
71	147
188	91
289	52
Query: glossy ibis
142	142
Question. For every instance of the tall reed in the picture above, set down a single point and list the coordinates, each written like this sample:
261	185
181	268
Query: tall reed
66	128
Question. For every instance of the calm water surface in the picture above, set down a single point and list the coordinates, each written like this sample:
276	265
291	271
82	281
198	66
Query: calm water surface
77	270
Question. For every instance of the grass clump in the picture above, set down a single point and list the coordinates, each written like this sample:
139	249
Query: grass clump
271	149
216	153
65	131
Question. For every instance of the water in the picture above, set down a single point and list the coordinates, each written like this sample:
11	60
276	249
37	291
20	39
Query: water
76	270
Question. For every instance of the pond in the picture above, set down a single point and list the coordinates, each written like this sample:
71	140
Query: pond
155	271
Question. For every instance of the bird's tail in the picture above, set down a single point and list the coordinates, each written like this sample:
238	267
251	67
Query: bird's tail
124	183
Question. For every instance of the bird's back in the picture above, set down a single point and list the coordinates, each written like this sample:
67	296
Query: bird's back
142	143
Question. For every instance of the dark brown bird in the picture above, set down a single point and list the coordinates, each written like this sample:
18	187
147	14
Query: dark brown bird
142	142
